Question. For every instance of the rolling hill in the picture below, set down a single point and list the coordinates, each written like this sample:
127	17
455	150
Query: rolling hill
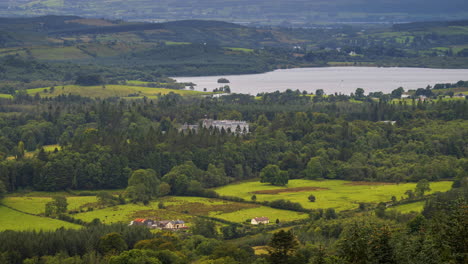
259	11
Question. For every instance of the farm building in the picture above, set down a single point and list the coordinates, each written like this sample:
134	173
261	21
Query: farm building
165	224
169	225
142	222
260	220
233	126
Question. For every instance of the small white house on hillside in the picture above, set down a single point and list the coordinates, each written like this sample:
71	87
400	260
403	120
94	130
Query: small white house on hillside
260	220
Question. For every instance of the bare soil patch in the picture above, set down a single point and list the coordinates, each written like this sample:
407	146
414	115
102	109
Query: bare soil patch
356	183
205	209
296	189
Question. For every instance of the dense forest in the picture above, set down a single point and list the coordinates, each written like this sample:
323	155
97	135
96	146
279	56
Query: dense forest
103	141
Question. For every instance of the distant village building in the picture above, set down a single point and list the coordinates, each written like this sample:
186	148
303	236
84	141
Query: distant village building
142	222
232	126
169	225
260	220
388	122
163	225
423	98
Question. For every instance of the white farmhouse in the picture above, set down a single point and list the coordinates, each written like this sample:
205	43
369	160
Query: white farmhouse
260	220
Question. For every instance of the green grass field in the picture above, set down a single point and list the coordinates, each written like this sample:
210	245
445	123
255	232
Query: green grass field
58	54
240	49
185	208
408	208
14	220
110	91
30	154
338	194
6	96
36	205
273	214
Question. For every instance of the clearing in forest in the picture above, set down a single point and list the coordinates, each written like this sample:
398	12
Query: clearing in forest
338	194
110	90
184	208
14	220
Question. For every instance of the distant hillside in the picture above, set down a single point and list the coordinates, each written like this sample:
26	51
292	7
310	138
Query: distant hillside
418	26
38	30
258	11
42	51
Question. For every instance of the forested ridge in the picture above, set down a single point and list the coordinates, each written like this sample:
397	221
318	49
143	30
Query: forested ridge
55	50
72	143
103	141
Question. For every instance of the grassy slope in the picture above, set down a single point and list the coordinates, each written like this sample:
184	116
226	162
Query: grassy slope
411	207
14	220
30	154
186	207
340	194
110	91
36	205
273	214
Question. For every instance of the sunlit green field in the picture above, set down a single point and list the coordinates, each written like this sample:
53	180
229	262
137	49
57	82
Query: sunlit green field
338	194
273	214
411	207
109	91
7	96
186	207
13	220
36	205
30	154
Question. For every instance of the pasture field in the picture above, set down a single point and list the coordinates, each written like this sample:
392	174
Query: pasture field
240	49
272	213
14	220
109	91
36	205
30	154
51	148
59	54
408	208
337	194
128	212
6	96
185	208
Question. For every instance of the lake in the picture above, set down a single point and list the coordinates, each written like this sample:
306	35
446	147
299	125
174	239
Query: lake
332	79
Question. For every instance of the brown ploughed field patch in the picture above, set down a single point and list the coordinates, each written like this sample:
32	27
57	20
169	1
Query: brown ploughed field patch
355	183
289	190
195	208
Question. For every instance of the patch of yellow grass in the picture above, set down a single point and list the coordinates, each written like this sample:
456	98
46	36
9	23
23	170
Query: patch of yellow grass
109	91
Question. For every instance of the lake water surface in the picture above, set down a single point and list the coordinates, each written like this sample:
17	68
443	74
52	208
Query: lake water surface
332	79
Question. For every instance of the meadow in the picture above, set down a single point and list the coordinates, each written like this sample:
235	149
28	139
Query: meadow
408	208
337	194
30	154
126	91
14	220
185	208
36	205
